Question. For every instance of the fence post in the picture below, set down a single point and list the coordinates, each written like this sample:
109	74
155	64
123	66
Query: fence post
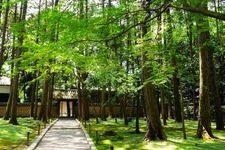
89	128
96	137
85	124
39	126
28	138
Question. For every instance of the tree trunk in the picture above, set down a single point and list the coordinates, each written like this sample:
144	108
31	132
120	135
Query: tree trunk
68	108
137	128
155	129
103	114
213	86
83	105
175	79
189	24
124	105
1	10
43	110
4	28
213	92
182	115
15	95
36	102
85	102
204	122
170	110
33	95
80	103
163	112
176	82
110	102
9	103
50	95
15	83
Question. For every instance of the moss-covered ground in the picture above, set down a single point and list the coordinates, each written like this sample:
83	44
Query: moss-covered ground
15	136
123	137
118	135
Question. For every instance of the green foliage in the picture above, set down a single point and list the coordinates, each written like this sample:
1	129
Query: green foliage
68	40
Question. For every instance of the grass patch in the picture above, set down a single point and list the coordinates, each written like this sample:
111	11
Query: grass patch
125	138
15	136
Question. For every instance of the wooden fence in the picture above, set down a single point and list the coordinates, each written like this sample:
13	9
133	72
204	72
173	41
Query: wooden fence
24	110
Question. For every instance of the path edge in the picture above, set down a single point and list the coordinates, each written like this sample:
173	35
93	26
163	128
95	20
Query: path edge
93	147
40	137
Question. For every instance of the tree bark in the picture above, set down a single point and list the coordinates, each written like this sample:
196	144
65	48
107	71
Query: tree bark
137	127
4	29
1	10
170	110
201	10
83	105
68	108
175	79
204	121
50	95
176	82
9	103
36	101
124	103
43	110
213	86
33	95
80	102
85	102
110	102
163	112
15	95
103	113
15	84
182	114
213	92
189	26
155	130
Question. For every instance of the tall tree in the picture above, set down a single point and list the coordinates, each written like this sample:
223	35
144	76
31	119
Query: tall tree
175	79
43	113
9	103
4	29
155	130
213	85
189	24
1	1
204	121
15	84
34	85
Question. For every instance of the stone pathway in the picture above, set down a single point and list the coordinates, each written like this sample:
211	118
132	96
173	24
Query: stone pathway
65	134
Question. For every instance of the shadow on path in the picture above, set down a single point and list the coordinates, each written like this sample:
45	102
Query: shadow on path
65	134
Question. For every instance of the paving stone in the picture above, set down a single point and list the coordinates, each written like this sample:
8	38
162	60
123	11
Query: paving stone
65	134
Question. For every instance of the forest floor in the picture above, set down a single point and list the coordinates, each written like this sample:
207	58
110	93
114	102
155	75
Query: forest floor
122	137
15	136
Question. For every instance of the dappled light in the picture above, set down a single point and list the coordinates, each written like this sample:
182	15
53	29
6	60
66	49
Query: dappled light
127	140
14	136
